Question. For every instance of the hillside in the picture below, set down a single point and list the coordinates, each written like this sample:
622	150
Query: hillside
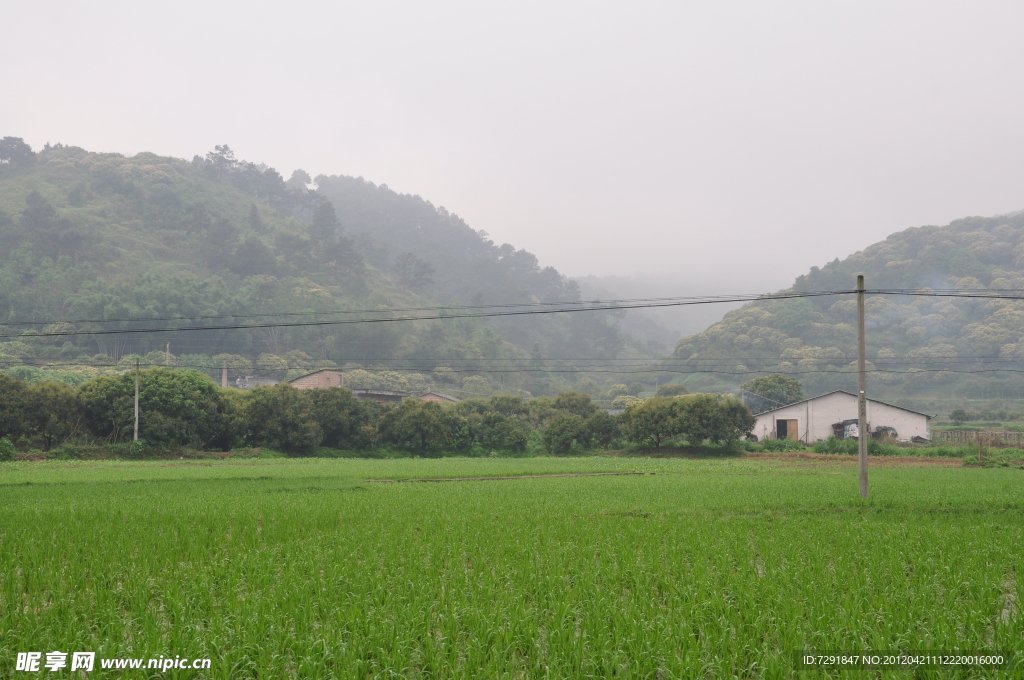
925	347
99	236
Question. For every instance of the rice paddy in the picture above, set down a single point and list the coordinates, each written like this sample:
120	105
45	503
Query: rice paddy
694	569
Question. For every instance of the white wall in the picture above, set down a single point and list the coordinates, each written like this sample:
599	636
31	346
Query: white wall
816	416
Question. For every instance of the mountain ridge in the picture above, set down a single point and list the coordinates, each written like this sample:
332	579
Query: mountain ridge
917	345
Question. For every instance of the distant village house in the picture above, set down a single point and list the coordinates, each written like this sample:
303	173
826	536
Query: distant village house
319	380
326	378
250	381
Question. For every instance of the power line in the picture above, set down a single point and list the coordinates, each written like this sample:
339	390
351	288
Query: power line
528	369
336	322
988	293
389	310
508	309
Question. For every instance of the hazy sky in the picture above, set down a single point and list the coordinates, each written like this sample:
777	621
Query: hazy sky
724	146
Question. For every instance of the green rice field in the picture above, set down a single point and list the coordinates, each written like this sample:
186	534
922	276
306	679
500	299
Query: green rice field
696	569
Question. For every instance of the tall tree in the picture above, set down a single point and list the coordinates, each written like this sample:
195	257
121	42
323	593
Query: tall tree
54	412
412	271
15	153
772	391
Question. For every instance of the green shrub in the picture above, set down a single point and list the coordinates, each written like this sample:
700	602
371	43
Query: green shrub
77	452
564	432
136	450
779	445
176	408
283	418
425	428
834	445
7	449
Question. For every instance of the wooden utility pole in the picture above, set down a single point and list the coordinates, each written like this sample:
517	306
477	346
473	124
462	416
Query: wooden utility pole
136	400
862	398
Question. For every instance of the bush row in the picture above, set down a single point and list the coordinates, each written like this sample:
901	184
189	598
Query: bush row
185	409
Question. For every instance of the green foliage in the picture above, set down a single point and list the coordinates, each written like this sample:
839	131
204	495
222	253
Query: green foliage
713	418
498	432
54	412
7	450
13	406
651	422
133	450
958	416
346	422
563	432
576	403
425	428
178	408
185	410
602	430
498	424
672	390
574	423
625	401
772	391
697	417
284	418
832	445
618	390
777	445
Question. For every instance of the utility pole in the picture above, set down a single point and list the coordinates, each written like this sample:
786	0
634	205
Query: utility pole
136	400
167	355
862	399
224	374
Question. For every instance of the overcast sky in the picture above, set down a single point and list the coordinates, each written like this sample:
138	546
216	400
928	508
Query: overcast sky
724	146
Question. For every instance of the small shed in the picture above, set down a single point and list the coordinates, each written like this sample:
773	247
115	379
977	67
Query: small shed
319	380
835	414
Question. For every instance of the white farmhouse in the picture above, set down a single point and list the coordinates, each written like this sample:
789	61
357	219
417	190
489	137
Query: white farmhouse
835	413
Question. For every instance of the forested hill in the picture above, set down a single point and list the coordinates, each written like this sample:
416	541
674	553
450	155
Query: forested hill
919	346
98	236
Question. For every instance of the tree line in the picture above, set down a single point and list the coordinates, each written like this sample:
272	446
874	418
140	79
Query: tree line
185	409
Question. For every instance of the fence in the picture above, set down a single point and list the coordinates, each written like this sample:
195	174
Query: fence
975	437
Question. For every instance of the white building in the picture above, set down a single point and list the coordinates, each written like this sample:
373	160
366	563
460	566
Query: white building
835	413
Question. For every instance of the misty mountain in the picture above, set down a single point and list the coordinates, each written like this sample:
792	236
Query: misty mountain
660	325
97	236
921	346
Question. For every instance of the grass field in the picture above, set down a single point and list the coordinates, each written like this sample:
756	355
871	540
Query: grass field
698	569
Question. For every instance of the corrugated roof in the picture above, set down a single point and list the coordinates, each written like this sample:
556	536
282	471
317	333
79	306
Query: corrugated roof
321	370
883	403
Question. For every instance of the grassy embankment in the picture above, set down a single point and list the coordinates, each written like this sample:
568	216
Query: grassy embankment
703	568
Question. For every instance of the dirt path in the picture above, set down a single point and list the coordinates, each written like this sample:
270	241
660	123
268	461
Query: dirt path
810	458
